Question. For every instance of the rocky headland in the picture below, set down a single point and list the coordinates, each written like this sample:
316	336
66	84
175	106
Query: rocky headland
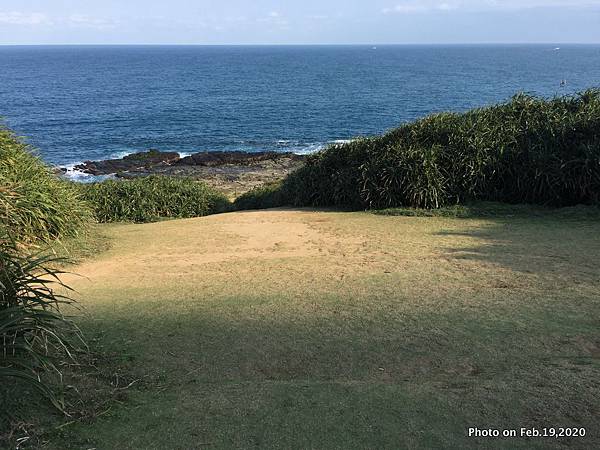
233	172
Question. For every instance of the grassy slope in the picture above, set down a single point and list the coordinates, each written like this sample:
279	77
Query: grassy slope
278	329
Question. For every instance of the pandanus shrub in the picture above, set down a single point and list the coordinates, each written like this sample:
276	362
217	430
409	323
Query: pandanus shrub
35	335
148	199
35	204
527	150
37	208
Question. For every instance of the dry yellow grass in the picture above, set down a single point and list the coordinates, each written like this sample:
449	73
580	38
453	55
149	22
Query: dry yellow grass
298	329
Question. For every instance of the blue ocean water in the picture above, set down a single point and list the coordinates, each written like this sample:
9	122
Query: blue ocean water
79	103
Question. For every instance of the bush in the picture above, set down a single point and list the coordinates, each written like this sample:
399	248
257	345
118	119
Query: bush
35	205
148	199
34	335
36	209
528	150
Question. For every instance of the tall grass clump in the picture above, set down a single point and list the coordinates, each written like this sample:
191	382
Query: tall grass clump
34	334
36	209
148	199
527	150
35	205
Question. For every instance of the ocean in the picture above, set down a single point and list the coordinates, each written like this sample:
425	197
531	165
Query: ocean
86	103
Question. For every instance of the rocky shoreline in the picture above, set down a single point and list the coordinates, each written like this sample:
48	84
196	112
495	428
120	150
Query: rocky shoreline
233	172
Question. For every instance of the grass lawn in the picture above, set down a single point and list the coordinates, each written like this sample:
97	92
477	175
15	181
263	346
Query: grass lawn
305	329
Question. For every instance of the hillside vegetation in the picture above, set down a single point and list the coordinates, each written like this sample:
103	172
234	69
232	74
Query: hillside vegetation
36	340
527	150
36	206
149	199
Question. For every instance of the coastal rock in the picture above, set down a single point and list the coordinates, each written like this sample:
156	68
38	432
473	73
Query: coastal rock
215	159
134	162
233	173
154	161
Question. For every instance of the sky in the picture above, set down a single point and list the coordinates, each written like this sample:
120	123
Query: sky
298	22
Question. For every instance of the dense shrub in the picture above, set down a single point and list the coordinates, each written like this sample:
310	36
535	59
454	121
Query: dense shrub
35	205
148	199
528	150
36	209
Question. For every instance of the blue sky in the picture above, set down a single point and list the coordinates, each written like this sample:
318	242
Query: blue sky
297	22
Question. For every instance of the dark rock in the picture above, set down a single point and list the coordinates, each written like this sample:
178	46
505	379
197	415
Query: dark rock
134	162
170	163
213	159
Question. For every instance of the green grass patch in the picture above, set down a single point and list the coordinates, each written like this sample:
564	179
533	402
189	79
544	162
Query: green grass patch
68	252
446	211
496	210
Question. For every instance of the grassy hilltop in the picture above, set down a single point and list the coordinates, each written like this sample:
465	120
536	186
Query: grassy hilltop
336	330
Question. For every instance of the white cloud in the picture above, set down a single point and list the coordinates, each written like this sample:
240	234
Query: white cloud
276	19
412	6
20	18
526	4
85	21
39	19
415	6
420	6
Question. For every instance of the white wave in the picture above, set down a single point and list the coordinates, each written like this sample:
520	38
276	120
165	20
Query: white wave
123	154
307	150
74	174
120	155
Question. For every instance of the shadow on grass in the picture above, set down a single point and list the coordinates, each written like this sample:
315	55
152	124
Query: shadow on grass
384	383
548	244
243	375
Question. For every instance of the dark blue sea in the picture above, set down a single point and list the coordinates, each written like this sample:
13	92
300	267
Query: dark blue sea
79	103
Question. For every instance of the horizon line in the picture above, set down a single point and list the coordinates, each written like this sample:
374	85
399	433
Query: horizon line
290	44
